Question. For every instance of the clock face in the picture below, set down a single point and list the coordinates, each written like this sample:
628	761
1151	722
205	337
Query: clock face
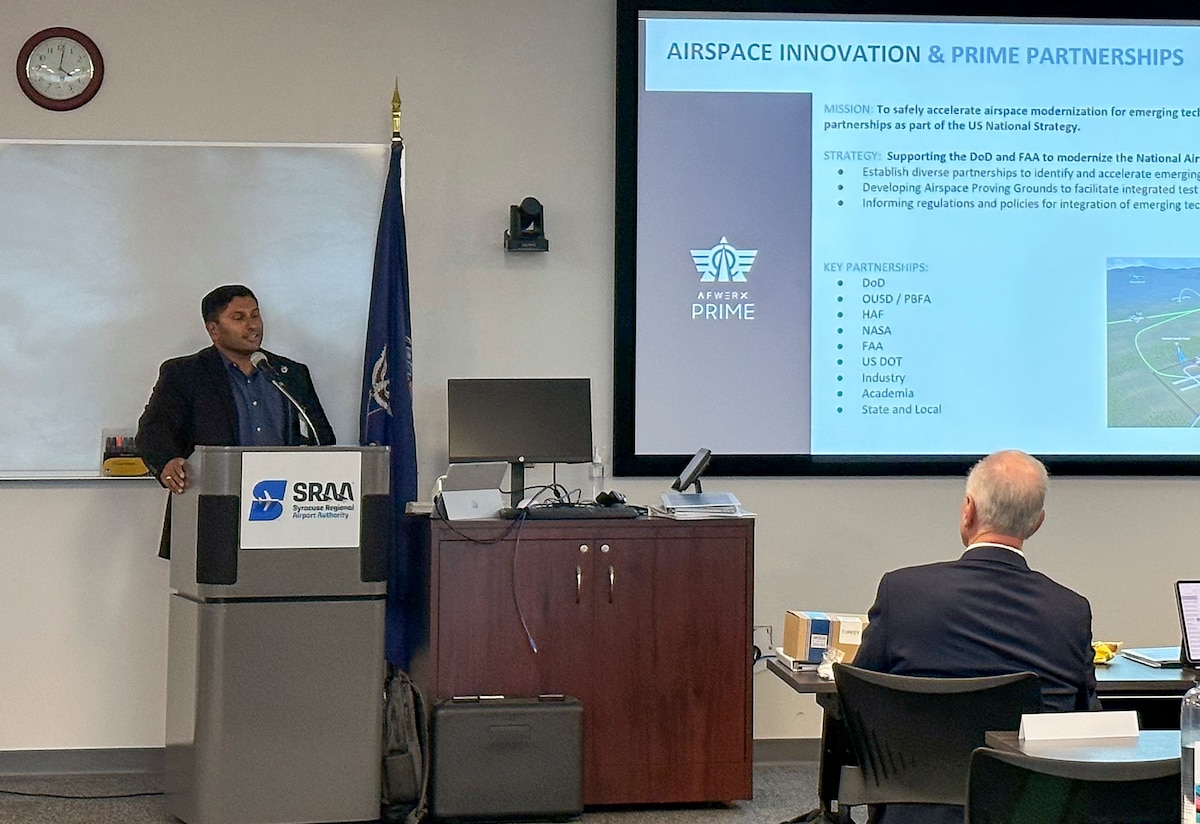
60	69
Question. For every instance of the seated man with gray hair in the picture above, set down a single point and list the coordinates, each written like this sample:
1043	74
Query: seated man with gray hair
986	613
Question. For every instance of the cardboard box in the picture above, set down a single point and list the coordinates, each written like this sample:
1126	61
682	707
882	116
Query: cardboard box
806	635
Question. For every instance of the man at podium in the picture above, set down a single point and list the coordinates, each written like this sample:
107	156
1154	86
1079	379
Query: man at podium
232	393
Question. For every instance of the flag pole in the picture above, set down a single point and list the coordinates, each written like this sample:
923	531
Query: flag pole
386	412
396	138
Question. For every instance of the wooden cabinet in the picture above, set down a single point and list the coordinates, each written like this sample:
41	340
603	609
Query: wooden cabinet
647	622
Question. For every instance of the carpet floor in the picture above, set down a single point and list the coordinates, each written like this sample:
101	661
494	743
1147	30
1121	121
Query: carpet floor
781	791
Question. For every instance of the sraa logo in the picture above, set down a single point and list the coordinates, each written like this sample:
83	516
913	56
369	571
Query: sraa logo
322	492
268	500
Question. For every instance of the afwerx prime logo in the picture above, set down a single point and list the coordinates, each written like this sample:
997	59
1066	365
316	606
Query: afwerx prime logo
267	504
723	263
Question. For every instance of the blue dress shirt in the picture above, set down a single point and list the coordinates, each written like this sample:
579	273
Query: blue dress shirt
262	418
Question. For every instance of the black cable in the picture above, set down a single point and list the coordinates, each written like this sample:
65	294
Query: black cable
517	601
562	496
78	797
557	489
515	524
485	541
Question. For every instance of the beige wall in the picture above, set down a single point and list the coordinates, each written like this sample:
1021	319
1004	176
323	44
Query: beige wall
502	99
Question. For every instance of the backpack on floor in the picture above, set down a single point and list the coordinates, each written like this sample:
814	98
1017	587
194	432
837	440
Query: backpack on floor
405	774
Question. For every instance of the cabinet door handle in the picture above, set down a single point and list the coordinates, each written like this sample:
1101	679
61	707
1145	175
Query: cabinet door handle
578	582
612	582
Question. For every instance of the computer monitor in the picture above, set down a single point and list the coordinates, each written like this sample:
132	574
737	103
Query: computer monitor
521	421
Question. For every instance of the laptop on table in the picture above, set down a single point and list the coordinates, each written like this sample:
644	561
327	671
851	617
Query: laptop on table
1187	654
471	491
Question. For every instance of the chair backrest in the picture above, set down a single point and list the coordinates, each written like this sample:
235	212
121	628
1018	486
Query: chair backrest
913	737
1010	788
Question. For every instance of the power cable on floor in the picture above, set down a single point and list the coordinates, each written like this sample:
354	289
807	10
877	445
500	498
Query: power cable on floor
77	797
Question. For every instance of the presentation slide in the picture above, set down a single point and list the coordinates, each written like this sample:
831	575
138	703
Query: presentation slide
868	236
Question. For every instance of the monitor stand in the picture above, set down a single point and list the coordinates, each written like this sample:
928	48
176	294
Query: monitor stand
516	482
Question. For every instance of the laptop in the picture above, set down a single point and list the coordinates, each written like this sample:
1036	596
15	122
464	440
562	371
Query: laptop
1187	654
471	491
1187	598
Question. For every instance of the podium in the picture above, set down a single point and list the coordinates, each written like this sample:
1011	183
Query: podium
276	632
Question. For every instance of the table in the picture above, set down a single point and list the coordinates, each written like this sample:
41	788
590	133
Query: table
1153	692
1150	745
1121	679
835	743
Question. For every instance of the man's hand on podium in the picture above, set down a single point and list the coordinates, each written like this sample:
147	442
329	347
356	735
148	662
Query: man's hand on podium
174	475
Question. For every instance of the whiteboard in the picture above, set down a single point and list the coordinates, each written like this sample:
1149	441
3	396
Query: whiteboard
107	248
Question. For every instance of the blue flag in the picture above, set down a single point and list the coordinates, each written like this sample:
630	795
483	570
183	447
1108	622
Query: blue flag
387	413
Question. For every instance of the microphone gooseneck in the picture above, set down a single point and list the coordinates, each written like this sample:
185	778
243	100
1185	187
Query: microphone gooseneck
260	362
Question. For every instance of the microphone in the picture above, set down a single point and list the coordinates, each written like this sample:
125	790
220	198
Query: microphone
260	362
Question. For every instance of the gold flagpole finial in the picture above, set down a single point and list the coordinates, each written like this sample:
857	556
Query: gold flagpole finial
396	111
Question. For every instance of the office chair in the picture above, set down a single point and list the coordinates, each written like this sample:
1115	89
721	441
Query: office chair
913	737
1010	788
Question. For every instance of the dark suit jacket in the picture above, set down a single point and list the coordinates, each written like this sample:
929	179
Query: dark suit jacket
987	613
192	405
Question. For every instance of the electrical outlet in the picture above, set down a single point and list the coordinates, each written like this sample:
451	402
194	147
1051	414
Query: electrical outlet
762	641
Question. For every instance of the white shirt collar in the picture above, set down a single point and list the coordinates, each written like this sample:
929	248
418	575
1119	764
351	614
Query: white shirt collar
999	546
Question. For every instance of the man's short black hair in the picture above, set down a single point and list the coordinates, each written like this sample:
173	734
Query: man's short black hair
214	303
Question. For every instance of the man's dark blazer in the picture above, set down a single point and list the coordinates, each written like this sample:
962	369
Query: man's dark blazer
987	613
192	405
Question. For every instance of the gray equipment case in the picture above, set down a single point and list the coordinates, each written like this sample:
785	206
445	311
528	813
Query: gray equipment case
506	758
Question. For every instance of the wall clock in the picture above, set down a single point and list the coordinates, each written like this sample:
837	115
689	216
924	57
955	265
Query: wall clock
60	69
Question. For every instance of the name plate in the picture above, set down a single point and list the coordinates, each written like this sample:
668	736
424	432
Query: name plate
1061	726
300	499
